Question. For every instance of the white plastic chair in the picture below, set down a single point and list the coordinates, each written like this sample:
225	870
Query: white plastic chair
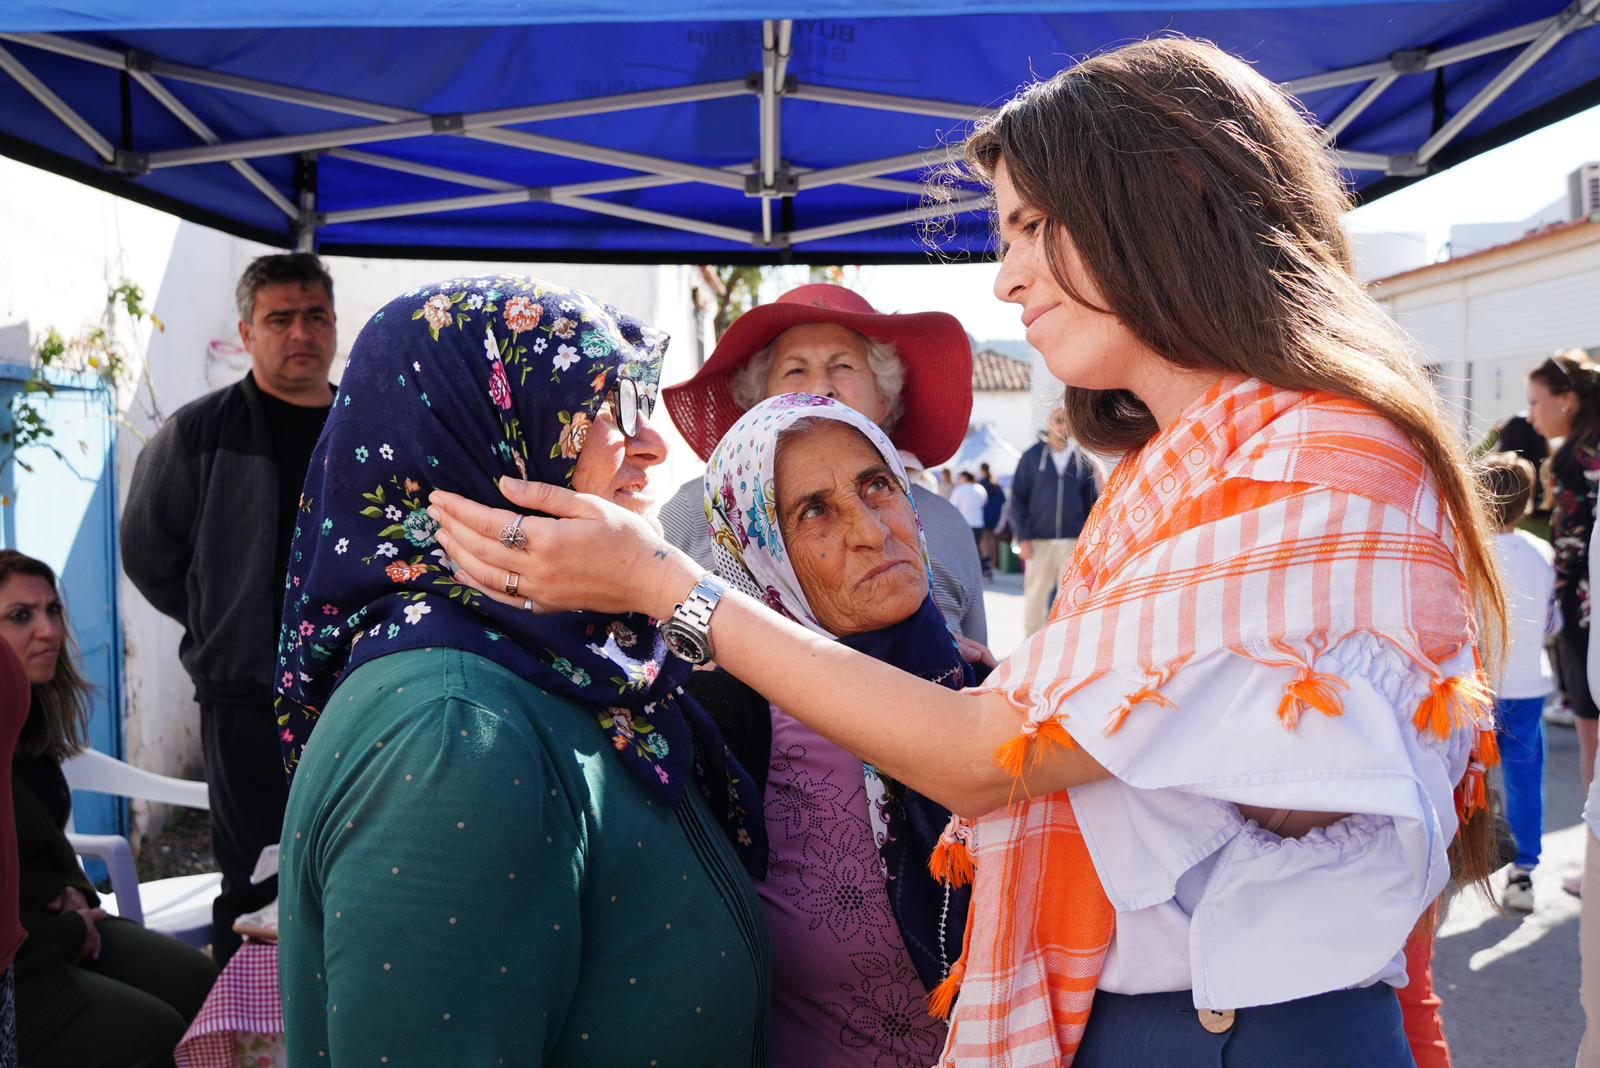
180	906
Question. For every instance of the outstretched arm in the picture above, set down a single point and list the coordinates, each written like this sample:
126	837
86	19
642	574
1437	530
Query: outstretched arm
592	555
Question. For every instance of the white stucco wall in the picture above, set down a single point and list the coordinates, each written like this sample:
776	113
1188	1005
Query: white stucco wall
1016	416
1486	322
62	245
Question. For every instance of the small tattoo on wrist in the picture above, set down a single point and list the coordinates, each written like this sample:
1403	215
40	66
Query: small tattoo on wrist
661	554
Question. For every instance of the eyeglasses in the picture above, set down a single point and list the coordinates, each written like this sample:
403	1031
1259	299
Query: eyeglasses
629	405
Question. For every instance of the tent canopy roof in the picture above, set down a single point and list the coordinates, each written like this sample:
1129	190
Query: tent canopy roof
637	130
983	445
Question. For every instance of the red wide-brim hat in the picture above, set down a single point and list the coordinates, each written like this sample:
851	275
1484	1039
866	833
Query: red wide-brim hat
933	346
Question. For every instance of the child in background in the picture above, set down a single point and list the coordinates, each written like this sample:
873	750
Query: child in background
1528	565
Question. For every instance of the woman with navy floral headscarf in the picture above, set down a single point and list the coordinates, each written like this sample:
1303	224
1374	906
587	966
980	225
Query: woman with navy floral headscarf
491	853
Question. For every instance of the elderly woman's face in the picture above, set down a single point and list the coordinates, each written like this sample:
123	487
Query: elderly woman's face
850	531
829	360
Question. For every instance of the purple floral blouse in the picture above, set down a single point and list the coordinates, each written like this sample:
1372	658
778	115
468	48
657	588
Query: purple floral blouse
845	992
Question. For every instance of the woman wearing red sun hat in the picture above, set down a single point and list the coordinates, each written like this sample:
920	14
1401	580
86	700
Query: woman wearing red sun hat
911	374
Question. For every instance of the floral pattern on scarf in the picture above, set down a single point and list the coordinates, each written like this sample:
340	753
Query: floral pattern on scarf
450	387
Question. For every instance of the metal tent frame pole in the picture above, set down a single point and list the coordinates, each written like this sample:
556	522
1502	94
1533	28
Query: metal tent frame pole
427	125
56	106
1353	110
767	179
1418	61
164	97
776	45
1574	17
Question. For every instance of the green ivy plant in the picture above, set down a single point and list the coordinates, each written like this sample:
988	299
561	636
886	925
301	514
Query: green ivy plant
96	353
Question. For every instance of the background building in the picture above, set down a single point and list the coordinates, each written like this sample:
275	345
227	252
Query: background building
1484	318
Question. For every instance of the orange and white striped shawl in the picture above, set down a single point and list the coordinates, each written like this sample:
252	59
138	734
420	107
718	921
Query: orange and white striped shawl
1266	523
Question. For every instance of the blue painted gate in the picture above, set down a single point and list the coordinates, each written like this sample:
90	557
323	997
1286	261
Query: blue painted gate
64	511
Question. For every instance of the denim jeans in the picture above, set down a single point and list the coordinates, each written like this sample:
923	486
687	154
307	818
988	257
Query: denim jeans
1358	1028
1520	726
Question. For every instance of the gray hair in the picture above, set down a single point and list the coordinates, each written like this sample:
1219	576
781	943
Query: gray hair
749	383
295	267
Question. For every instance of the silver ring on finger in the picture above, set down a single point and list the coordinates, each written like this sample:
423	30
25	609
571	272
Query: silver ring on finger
511	535
527	604
512	578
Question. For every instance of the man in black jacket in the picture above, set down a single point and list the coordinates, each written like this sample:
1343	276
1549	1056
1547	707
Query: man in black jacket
1055	485
206	531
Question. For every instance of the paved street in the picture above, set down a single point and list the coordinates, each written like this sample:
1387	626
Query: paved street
1509	982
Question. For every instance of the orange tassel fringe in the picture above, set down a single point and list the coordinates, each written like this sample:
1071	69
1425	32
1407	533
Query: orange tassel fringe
1311	689
1119	715
1013	756
952	862
1487	749
1454	702
943	998
1472	795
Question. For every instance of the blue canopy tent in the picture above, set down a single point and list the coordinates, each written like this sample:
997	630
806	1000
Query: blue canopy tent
725	131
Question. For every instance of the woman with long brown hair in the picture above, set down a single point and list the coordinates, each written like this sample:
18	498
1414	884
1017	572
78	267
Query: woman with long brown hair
1215	794
1564	404
90	988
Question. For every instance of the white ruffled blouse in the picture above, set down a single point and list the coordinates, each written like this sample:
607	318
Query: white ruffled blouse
1206	899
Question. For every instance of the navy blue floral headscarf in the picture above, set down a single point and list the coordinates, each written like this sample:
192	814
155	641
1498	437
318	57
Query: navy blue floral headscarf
450	387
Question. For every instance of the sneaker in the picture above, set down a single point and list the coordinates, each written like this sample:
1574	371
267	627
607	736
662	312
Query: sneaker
1559	714
1518	894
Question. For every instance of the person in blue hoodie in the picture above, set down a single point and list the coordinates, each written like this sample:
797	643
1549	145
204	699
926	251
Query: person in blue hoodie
1055	485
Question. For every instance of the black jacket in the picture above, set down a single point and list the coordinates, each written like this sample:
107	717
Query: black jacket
1047	504
47	997
199	534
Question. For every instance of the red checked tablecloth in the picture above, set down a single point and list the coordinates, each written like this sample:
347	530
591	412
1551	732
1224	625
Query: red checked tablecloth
241	1023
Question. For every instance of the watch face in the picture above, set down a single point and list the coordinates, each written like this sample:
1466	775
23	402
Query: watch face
684	643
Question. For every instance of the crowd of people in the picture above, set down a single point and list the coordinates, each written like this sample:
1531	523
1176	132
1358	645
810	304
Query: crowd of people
560	778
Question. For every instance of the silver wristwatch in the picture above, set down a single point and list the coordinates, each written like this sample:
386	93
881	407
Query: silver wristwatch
688	632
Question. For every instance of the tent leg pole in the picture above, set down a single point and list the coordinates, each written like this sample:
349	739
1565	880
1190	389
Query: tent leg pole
305	184
1573	18
776	37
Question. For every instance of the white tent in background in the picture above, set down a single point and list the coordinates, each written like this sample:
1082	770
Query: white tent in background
983	446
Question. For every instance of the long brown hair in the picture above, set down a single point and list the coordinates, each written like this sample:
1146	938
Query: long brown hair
58	724
1207	210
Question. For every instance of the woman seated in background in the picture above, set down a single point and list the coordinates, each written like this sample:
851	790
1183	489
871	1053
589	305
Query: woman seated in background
92	990
810	512
494	850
